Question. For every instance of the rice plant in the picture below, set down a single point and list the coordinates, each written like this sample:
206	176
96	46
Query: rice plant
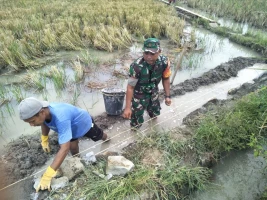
78	70
58	77
75	96
88	59
18	93
32	29
4	96
253	12
34	79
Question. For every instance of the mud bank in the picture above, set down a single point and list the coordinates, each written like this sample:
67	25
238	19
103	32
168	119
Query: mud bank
220	73
22	156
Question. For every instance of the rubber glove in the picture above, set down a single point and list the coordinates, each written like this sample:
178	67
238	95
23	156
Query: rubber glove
45	143
45	182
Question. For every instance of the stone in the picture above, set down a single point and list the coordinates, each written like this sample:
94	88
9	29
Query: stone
118	165
89	158
61	182
71	167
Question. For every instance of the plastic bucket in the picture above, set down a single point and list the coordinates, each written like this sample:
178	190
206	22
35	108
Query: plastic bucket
113	99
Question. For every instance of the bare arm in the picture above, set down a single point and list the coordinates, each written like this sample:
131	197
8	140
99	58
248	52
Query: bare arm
61	155
129	95
45	129
166	86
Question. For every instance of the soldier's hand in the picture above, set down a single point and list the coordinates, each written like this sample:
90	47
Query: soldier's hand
127	113
168	101
45	143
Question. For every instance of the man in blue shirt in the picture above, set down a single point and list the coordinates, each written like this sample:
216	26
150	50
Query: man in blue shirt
68	121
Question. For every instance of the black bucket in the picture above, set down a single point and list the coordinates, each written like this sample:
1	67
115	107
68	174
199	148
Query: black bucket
113	98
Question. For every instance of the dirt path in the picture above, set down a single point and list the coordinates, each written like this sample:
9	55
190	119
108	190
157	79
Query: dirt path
22	156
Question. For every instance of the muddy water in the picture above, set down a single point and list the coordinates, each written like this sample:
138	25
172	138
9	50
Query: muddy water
239	176
215	50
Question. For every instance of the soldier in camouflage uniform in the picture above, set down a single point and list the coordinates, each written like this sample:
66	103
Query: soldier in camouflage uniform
142	90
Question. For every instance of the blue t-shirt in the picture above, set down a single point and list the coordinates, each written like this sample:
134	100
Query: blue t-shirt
68	121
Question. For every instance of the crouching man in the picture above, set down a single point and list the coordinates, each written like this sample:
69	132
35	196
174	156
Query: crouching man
70	122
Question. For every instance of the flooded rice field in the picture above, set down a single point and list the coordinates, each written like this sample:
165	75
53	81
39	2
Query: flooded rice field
213	50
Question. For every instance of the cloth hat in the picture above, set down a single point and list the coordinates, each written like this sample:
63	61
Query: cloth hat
30	107
152	45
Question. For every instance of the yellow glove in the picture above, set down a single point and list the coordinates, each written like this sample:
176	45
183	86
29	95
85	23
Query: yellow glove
45	182
45	143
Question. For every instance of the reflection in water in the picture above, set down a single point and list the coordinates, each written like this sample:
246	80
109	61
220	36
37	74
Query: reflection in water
239	176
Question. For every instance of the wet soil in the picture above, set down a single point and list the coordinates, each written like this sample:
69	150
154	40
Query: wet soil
23	156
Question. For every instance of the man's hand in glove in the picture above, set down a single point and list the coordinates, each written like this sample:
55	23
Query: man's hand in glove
45	182
45	143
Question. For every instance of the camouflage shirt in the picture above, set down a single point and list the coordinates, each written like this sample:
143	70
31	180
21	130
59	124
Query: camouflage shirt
148	76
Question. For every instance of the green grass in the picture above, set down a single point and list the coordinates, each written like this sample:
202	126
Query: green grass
252	39
234	127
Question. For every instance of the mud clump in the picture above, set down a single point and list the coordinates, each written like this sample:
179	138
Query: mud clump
24	155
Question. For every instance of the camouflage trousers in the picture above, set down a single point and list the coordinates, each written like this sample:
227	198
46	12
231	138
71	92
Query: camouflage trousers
139	105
